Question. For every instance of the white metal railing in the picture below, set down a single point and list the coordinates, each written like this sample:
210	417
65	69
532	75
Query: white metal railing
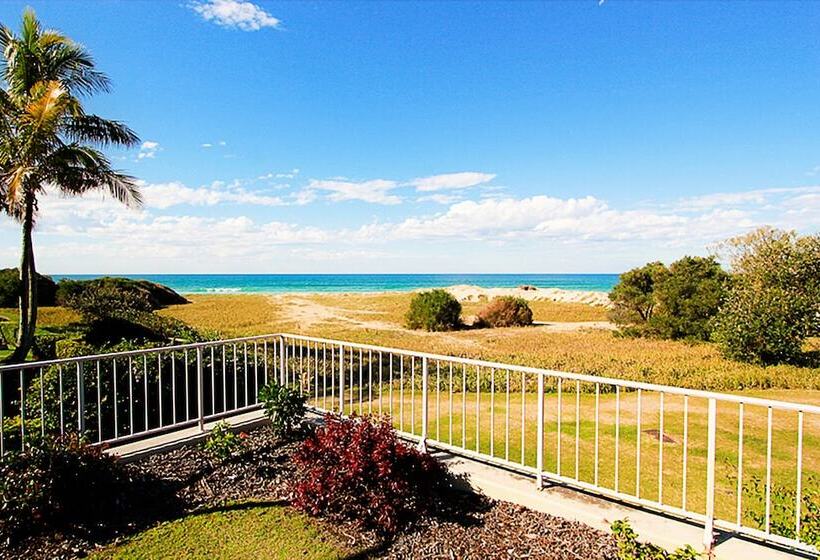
742	464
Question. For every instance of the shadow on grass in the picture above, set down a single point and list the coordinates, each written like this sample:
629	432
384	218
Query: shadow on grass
237	506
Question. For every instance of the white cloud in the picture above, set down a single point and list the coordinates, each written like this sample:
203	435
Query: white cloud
449	181
166	195
286	175
375	191
237	14
148	150
440	198
303	197
566	220
537	232
206	145
756	197
378	191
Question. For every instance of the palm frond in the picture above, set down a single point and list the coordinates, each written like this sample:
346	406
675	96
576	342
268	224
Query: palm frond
74	169
100	131
47	106
74	66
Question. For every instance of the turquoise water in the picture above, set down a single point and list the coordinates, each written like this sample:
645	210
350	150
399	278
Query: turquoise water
279	283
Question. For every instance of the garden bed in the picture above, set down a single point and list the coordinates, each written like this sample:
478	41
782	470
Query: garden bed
472	526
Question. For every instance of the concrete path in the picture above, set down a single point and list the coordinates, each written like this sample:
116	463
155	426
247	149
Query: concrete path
500	484
599	513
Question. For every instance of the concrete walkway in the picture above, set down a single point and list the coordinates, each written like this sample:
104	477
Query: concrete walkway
599	513
500	484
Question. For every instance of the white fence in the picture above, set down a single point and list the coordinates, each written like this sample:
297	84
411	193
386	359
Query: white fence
731	462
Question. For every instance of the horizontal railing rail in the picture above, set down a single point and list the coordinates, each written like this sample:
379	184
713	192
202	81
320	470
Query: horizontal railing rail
745	464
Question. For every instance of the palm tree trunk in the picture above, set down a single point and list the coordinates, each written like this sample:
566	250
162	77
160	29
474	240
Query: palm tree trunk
28	288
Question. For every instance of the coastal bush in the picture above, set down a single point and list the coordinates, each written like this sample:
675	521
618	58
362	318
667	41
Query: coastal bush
358	470
688	298
285	408
56	389
114	311
506	311
222	443
436	310
63	483
675	302
774	303
151	295
633	297
10	288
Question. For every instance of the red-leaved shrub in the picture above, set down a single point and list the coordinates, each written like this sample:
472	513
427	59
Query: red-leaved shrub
506	311
357	469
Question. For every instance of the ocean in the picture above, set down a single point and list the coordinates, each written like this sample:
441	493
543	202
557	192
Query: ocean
281	283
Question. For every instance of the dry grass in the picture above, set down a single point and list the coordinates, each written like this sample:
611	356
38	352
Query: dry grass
377	319
46	316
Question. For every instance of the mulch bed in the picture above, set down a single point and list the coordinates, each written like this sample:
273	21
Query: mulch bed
473	528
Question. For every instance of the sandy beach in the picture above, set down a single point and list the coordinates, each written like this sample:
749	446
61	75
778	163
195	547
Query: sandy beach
477	293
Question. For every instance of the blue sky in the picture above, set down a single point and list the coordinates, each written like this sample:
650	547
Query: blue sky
440	137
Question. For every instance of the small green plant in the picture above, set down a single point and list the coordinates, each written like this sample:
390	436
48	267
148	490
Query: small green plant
285	408
782	508
436	310
629	548
222	443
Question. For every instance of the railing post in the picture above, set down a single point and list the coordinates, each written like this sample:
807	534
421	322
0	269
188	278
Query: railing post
708	537
282	375
342	380
539	476
80	400
200	389
424	406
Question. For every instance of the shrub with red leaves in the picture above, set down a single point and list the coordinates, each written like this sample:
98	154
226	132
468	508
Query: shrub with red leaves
506	311
357	469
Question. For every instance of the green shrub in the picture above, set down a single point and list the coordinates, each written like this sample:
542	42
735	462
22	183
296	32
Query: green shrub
10	288
629	548
774	303
115	311
285	408
222	443
677	302
66	483
436	310
688	298
763	327
506	311
151	295
633	297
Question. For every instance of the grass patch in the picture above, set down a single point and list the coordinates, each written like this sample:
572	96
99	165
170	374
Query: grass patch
47	317
377	319
506	428
240	531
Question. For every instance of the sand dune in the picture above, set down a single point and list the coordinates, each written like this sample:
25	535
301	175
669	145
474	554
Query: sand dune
477	293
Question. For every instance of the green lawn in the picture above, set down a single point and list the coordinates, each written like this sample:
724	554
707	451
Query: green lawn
236	532
514	438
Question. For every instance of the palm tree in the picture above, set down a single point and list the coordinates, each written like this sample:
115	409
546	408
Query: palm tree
48	142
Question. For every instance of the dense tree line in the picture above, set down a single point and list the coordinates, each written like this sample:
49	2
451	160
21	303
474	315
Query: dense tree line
763	310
